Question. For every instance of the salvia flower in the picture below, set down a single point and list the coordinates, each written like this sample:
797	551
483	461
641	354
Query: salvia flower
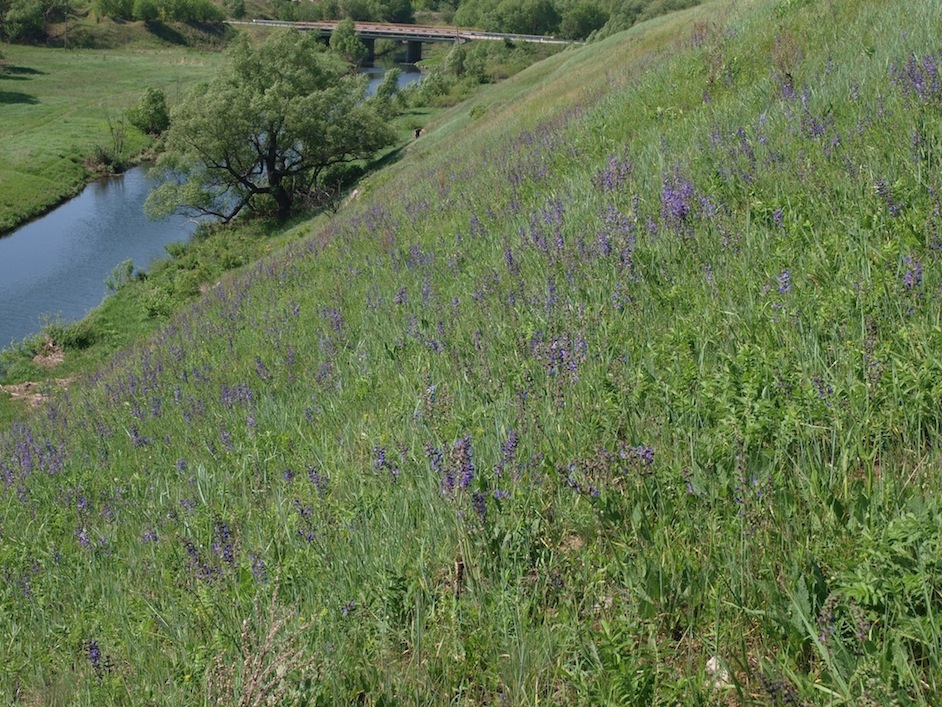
319	480
912	279
644	453
479	503
508	450
883	190
462	456
677	201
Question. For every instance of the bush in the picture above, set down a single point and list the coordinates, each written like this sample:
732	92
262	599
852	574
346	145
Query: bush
75	335
120	276
150	115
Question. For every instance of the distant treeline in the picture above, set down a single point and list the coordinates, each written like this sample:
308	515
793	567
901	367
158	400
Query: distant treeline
569	19
30	20
166	10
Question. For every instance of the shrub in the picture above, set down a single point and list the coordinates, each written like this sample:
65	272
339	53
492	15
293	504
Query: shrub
150	115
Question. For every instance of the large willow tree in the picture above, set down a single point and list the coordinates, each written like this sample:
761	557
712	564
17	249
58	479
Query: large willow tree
264	132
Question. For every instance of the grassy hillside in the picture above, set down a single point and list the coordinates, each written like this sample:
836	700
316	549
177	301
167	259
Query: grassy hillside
621	387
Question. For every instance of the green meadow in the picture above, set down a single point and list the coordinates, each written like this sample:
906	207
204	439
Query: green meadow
621	385
61	107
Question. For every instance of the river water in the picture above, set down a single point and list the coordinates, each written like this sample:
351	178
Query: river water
56	265
409	73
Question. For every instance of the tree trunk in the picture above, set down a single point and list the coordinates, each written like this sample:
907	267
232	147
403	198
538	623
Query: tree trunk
282	197
276	184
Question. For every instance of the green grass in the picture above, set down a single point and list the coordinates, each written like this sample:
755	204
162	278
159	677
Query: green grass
628	365
57	105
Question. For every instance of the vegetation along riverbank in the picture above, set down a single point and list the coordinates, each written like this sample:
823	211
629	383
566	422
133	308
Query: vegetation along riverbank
62	108
620	385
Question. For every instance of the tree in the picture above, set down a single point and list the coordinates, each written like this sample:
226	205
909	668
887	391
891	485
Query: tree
527	16
265	131
581	20
387	93
345	42
150	114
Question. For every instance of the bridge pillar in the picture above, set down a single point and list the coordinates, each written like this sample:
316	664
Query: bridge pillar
413	52
370	47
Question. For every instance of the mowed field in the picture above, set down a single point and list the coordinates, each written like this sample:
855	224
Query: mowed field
57	106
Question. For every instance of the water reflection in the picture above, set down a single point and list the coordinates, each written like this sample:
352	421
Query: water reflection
408	73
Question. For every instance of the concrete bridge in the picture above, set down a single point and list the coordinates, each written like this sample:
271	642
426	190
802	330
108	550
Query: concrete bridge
414	36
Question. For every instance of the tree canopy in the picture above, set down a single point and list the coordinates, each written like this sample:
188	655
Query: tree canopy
344	41
265	132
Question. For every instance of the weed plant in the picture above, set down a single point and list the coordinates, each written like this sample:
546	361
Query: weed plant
621	387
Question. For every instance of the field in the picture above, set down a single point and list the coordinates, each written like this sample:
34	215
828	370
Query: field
621	385
55	114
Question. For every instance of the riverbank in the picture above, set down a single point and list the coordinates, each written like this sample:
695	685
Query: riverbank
62	106
143	303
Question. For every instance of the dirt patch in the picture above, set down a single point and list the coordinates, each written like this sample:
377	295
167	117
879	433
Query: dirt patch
50	356
33	394
571	543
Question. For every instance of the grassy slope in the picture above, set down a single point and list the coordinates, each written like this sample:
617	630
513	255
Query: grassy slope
634	368
54	114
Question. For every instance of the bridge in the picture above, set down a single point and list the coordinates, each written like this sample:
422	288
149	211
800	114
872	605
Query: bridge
413	35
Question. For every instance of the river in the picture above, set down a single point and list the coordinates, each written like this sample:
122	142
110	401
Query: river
56	265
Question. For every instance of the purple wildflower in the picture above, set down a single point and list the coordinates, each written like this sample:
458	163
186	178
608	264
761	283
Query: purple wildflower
919	79
319	480
462	458
261	369
258	569
644	453
508	451
81	535
883	190
615	174
913	277
677	199
479	503
222	541
93	655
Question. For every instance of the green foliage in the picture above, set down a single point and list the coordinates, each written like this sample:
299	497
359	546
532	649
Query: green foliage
580	20
165	10
150	115
74	335
119	9
387	96
346	43
24	20
620	386
146	11
526	16
120	276
466	66
263	132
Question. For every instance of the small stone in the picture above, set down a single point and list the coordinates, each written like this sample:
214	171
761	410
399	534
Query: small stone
717	675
